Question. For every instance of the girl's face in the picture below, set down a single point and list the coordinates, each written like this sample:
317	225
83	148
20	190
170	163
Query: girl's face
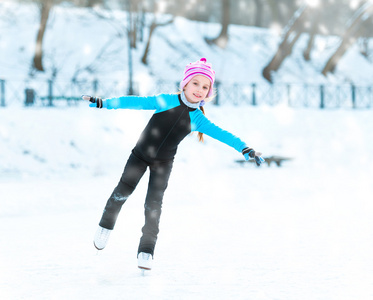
197	89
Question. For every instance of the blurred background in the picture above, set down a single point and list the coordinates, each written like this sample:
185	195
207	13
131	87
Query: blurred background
293	80
308	53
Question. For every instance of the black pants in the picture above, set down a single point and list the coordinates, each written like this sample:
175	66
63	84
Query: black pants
158	180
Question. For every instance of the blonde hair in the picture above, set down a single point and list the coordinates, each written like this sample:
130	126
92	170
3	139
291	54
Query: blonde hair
200	134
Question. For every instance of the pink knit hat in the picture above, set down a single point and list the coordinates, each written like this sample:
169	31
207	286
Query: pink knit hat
200	67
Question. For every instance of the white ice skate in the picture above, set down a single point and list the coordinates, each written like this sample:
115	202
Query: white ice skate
145	261
101	237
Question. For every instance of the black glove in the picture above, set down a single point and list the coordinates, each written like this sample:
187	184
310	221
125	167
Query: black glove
251	153
98	101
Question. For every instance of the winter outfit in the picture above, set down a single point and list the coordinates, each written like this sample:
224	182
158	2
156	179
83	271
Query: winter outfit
174	118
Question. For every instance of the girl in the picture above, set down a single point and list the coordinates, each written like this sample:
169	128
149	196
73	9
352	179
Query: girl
176	115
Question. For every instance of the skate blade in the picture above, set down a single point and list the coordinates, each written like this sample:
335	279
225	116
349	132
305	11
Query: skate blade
97	247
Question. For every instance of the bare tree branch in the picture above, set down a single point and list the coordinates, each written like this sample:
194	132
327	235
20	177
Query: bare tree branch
292	33
349	38
153	26
45	8
222	39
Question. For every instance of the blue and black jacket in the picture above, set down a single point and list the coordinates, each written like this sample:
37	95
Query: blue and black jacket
173	120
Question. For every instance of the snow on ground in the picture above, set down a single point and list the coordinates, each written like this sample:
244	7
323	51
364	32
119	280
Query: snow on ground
302	231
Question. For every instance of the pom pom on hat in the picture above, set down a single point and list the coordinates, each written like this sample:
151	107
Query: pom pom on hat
201	67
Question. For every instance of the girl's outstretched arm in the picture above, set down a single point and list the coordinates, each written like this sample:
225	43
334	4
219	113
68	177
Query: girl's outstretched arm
202	124
129	102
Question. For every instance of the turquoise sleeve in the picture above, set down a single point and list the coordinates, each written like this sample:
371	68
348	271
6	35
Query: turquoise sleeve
132	102
200	123
158	103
